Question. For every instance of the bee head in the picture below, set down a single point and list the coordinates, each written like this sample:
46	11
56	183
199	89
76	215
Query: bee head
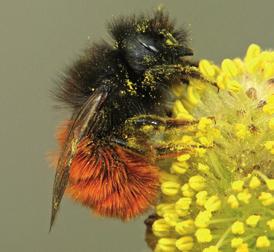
148	41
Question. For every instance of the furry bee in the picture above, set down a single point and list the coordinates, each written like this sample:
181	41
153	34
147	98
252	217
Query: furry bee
113	90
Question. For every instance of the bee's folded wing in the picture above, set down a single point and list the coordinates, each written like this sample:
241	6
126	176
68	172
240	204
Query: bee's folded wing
84	122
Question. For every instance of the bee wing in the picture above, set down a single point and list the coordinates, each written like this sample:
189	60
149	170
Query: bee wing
84	122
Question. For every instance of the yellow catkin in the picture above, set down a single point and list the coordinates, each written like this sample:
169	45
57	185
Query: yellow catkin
218	194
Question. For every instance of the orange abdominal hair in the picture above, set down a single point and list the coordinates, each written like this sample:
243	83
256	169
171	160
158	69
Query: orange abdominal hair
111	180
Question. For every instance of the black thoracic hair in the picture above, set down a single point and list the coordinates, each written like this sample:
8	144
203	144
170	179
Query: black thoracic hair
108	64
123	27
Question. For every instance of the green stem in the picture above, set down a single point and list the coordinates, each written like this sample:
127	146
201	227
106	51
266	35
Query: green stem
219	243
222	220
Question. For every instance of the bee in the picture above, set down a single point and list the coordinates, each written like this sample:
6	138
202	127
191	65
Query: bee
113	90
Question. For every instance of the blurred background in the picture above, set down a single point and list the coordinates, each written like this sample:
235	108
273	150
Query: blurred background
38	40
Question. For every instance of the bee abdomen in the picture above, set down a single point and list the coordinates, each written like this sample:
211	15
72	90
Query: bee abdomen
112	181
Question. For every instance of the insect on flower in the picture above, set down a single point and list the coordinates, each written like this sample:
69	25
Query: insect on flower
114	90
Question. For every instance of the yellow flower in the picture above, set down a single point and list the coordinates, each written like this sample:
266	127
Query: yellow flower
219	195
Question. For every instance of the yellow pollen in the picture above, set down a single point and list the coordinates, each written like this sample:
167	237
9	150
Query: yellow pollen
179	167
268	71
193	96
213	204
187	191
185	227
183	157
236	242
222	79
197	183
232	201
252	52
266	198
241	130
131	87
206	141
185	243
271	124
203	235
163	208
270	184
244	196
180	111
207	69
254	182
184	203
242	248
237	185
170	188
201	198
177	89
166	244
233	85
262	242
270	224
211	249
230	68
161	228
253	220
203	168
238	228
169	42
202	219
171	218
269	107
204	123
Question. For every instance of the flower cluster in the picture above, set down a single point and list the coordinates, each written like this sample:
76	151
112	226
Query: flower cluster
219	196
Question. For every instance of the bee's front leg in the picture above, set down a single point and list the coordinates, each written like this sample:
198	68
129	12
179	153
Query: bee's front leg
173	73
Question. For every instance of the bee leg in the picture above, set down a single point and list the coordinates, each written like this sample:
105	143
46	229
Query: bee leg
150	238
192	71
173	151
175	72
156	151
122	143
149	120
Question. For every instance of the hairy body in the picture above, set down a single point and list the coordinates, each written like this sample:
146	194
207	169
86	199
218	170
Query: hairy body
112	90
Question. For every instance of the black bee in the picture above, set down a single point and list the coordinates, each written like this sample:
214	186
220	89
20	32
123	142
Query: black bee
113	90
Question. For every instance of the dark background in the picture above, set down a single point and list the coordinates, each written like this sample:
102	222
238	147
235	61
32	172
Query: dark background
38	39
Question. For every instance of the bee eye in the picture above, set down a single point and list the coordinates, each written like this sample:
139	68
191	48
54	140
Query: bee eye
149	47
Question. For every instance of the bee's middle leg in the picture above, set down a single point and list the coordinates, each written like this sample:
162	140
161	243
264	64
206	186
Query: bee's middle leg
150	120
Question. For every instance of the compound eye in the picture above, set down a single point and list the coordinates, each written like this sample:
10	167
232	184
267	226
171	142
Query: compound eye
149	47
